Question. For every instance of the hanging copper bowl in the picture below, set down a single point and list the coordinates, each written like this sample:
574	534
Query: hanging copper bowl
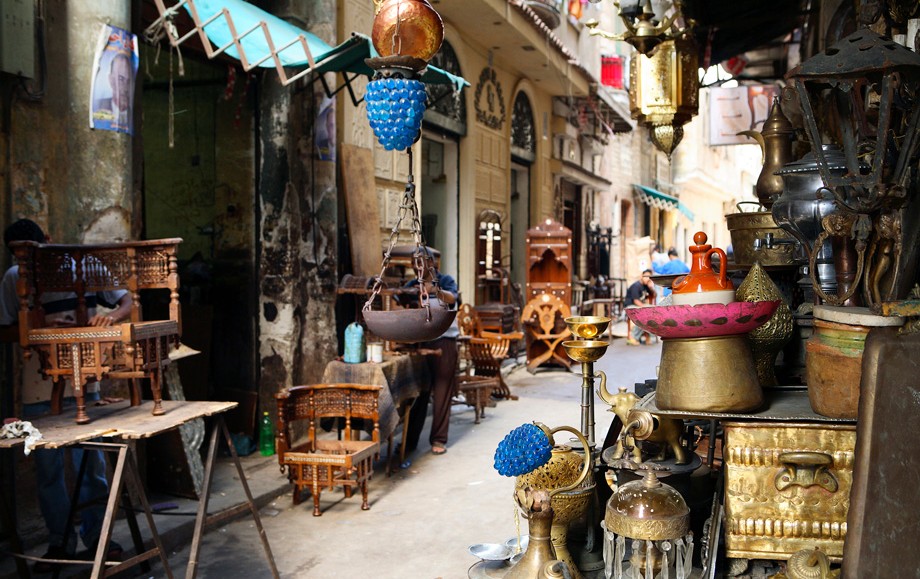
407	28
409	325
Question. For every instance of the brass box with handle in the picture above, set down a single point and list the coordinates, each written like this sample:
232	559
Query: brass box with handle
787	488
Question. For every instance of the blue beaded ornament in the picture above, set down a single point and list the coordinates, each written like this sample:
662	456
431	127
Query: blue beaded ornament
524	449
395	107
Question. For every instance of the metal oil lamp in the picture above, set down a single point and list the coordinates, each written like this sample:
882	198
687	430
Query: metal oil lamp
647	526
587	349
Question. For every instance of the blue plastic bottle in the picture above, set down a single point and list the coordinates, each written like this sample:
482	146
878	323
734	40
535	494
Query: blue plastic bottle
355	351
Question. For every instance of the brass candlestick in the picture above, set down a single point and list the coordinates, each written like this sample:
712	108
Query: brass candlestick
587	350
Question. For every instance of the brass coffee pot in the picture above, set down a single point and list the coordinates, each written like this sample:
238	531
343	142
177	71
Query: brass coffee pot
775	142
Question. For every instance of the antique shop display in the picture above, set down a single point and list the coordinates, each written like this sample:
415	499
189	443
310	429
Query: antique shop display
665	431
834	357
787	487
545	331
768	340
864	89
549	261
703	285
133	349
757	238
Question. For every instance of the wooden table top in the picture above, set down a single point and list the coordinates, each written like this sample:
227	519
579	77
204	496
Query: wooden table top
118	420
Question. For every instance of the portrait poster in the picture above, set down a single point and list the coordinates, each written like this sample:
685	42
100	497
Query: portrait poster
742	108
112	90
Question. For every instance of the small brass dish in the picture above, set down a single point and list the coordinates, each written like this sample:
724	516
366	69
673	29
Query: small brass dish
587	327
585	350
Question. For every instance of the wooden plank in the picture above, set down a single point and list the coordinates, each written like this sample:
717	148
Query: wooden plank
361	210
118	420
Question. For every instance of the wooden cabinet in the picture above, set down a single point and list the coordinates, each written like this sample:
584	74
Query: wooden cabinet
549	261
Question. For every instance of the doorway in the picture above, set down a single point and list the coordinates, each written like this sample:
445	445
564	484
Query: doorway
520	221
440	199
198	184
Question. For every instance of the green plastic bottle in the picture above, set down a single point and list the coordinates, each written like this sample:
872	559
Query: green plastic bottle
266	436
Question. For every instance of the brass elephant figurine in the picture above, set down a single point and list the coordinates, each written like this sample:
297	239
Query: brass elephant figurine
651	427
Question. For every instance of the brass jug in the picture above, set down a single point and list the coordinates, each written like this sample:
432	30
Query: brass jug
775	142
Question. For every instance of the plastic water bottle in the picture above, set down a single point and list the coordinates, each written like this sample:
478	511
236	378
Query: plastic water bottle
266	436
354	344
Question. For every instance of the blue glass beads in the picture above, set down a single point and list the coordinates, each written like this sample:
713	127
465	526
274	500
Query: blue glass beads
394	108
524	449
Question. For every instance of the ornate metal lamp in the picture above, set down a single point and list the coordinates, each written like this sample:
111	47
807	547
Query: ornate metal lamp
646	26
862	93
406	34
664	91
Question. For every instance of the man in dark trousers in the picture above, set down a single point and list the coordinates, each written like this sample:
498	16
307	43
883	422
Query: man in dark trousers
441	368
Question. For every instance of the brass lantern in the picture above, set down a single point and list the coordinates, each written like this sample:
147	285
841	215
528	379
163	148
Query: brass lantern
664	91
862	93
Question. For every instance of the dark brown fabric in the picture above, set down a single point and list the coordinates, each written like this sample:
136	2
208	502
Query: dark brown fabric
443	370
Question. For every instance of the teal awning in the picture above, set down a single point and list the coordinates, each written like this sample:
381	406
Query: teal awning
259	39
655	198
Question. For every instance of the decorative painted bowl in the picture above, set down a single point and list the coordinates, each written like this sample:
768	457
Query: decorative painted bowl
704	320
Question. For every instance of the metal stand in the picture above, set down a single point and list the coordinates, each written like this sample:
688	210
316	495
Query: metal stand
203	519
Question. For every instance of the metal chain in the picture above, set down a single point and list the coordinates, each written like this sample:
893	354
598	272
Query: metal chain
408	210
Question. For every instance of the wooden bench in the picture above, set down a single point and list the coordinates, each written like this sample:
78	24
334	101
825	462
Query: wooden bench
133	349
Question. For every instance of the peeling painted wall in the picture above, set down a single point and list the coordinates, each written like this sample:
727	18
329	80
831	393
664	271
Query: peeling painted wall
298	221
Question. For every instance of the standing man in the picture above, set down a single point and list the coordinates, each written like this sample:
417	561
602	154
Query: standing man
442	369
639	295
672	267
53	495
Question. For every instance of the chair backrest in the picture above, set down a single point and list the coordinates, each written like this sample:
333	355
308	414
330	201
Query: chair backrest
545	314
317	401
468	321
81	269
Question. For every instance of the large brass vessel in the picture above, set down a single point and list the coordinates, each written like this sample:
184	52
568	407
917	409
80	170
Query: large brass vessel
709	375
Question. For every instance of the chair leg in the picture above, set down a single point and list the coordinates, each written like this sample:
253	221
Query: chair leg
155	387
135	392
316	493
57	396
297	494
364	504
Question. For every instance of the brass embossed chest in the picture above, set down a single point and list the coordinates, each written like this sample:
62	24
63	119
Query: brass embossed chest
787	487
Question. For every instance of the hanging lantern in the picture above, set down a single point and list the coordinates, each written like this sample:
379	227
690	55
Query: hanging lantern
861	93
406	34
648	23
664	91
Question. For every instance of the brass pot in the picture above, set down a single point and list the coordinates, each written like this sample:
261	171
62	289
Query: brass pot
708	375
409	325
745	227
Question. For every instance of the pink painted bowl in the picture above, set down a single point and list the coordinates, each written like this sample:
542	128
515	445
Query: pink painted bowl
703	320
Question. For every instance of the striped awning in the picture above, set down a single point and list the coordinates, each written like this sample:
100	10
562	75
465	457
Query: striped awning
655	198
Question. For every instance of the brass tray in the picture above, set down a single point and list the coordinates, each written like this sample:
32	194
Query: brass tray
785	405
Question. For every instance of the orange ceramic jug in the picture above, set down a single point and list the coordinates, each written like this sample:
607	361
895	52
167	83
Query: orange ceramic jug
702	278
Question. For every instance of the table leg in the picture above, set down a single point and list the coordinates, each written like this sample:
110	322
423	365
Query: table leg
124	462
202	519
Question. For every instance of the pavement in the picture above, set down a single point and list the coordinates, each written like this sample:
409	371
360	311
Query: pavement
422	518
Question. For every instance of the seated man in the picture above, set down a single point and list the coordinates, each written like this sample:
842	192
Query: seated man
639	295
53	495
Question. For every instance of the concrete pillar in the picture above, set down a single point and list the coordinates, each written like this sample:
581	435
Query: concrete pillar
74	181
298	204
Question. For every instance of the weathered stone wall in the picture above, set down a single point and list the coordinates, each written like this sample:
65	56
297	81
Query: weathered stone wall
297	207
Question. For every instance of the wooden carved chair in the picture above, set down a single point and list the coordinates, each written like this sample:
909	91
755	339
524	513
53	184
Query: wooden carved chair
482	352
134	349
324	463
544	321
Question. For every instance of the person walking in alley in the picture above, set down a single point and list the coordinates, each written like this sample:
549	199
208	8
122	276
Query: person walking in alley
53	495
639	295
442	368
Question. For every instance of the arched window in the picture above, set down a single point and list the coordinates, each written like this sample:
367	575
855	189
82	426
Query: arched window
523	136
446	106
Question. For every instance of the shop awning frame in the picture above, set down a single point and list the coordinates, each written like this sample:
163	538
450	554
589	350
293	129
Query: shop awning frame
655	198
267	41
